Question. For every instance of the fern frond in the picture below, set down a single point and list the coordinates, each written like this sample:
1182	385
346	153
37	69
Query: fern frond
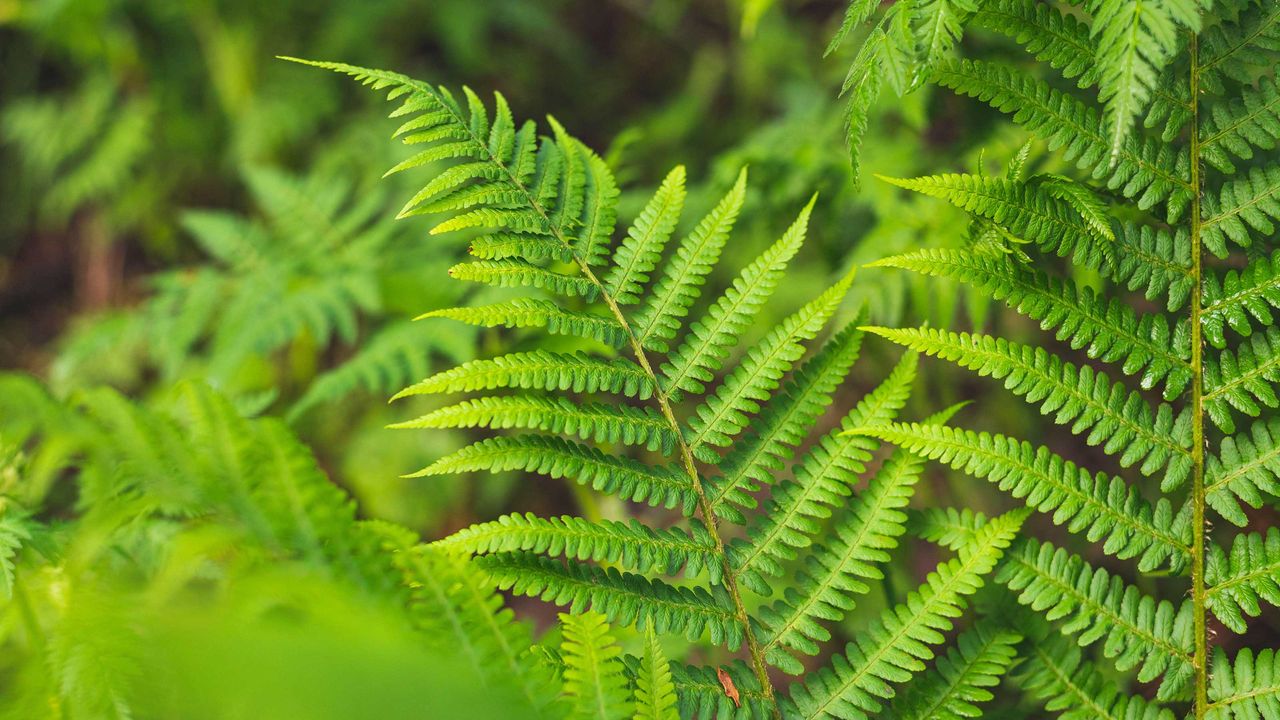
556	458
513	273
1083	398
454	602
708	343
1137	629
950	528
1144	170
1236	50
1027	211
1236	129
1066	684
630	545
528	312
702	697
1134	41
601	422
540	370
593	678
1096	506
895	647
833	574
1060	40
1160	260
1235	296
1243	205
823	479
1245	469
624	598
785	422
655	690
1108	330
1236	583
662	315
959	681
1248	687
640	251
723	415
14	534
1241	380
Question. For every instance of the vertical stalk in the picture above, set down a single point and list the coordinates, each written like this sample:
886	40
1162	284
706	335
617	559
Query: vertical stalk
1201	701
704	503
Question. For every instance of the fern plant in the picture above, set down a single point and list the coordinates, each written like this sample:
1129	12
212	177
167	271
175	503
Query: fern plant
665	402
1179	214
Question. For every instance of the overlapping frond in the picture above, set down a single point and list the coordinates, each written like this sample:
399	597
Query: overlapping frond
628	545
593	679
1094	605
624	598
1107	329
1106	412
655	694
1068	685
1142	169
823	479
894	648
959	682
1100	507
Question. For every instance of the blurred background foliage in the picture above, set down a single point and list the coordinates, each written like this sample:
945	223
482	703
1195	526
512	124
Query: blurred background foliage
180	206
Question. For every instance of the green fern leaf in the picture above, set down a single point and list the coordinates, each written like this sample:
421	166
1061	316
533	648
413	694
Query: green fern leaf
1087	400
540	370
1244	204
1245	469
655	691
785	422
946	527
839	570
1138	630
1097	506
1108	330
1157	259
640	251
521	273
623	598
959	681
722	416
897	644
528	312
1240	380
1248	687
1071	687
660	319
593	678
1235	296
1134	40
1248	123
629	545
600	422
1060	40
1239	581
708	343
822	481
1027	211
556	458
1144	170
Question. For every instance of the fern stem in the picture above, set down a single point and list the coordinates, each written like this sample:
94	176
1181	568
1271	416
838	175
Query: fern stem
1198	593
704	502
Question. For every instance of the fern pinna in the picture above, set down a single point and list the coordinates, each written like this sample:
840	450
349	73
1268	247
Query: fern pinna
1177	219
662	406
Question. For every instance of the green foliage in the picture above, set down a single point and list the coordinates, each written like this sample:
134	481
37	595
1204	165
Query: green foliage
1146	212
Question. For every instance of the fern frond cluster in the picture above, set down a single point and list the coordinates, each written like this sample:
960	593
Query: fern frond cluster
673	402
1178	224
